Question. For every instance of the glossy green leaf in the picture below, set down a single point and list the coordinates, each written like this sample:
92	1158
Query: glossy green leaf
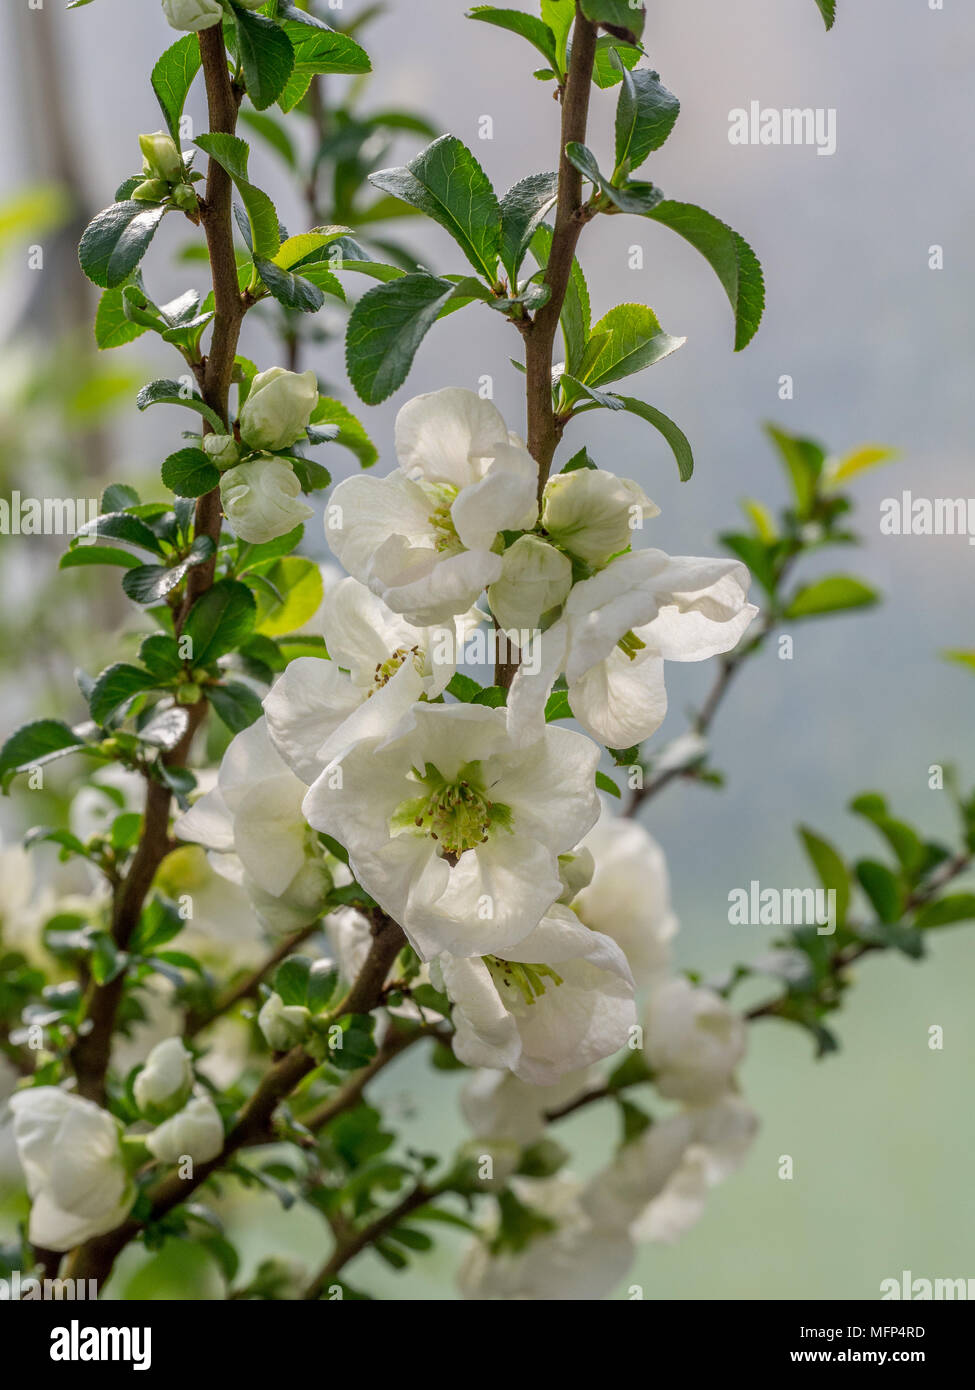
83	555
830	869
266	56
168	392
115	688
618	17
386	329
115	241
635	341
529	26
446	183
732	259
348	431
190	473
645	116
219	620
831	595
34	744
522	209
172	78
673	434
236	704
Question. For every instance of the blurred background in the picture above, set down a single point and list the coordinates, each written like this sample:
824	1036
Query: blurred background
878	346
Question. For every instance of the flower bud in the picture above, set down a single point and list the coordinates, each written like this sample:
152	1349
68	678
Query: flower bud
193	14
184	197
188	693
535	577
70	1151
283	1025
260	499
222	449
575	871
161	157
593	514
163	1085
278	408
151	191
195	1132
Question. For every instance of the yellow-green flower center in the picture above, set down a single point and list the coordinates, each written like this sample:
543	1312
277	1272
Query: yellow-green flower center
386	670
457	813
442	497
515	976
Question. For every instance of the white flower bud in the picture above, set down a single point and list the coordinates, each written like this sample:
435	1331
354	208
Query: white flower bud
161	157
283	1025
164	1083
151	191
535	577
72	1160
575	871
223	449
260	499
193	14
195	1132
278	408
593	513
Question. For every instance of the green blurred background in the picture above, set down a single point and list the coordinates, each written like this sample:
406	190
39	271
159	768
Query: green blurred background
879	349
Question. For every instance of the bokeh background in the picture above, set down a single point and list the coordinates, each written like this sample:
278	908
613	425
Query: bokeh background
879	347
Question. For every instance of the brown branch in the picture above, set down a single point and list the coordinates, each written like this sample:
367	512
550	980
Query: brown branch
347	1250
544	430
94	1259
91	1053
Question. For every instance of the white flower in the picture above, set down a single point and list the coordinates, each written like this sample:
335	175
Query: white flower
165	1081
535	578
195	1132
593	514
617	630
379	667
628	897
578	1259
454	831
423	537
561	1000
500	1106
260	499
278	408
694	1041
283	1025
72	1160
192	14
252	820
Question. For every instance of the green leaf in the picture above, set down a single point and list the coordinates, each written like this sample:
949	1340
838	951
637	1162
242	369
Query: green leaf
319	49
97	555
827	8
34	744
606	784
115	241
190	473
831	595
859	461
611	55
645	116
804	460
237	705
172	78
576	312
831	870
956	907
159	654
291	980
386	328
115	688
446	183
557	706
535	30
300	582
732	259
636	340
120	526
113	327
232	153
219	620
882	888
639	198
274	133
266	55
293	291
673	434
118	496
168	392
522	209
349	433
618	17
961	657
151	583
578	460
